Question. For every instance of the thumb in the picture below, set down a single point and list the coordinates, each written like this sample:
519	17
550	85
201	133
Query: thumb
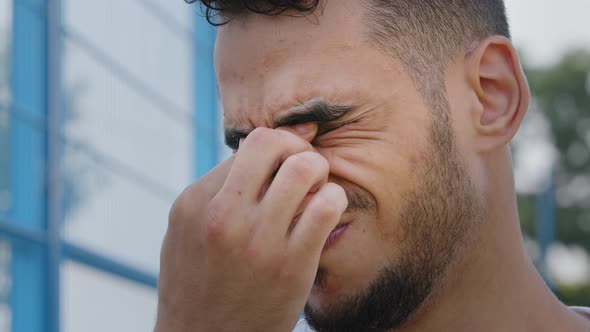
306	131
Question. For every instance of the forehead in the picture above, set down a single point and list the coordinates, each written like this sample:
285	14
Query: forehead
268	64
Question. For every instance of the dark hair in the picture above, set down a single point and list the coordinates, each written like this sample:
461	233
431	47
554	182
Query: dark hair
422	34
229	8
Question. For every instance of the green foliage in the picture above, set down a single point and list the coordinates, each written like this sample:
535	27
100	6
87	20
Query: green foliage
562	93
574	295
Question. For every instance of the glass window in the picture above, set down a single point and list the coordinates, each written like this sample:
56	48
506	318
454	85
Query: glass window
129	127
113	215
5	312
5	317
5	25
93	301
126	144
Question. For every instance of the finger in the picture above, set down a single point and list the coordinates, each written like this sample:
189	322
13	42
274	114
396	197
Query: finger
300	174
212	181
305	202
321	216
198	195
207	186
307	131
260	155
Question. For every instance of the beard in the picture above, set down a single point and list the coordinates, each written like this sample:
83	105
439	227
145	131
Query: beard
435	222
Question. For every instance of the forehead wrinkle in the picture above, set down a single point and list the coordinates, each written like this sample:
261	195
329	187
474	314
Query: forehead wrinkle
290	90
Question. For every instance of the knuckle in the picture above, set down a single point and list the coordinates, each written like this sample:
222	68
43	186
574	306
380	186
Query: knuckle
215	224
179	210
188	202
215	233
339	194
175	213
262	135
325	208
323	164
301	165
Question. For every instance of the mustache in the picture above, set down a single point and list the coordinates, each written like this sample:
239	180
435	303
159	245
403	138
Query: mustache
359	199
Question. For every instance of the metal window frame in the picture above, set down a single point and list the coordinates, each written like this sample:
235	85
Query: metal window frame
33	225
28	160
206	97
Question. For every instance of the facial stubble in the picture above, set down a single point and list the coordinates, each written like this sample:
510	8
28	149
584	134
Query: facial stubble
435	224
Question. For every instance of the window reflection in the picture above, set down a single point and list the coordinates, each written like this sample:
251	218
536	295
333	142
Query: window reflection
5	285
5	25
128	94
94	301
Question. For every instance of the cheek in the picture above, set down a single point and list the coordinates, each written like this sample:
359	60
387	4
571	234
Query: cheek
383	169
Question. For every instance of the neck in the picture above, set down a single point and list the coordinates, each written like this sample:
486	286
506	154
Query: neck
494	286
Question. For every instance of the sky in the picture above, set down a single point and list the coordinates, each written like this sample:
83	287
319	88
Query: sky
120	219
544	29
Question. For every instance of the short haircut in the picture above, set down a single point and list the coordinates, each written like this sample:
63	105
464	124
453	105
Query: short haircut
423	34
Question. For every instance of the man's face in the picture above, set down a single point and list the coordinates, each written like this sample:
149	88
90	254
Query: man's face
411	198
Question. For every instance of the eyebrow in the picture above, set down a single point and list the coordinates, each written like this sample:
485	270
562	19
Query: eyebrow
315	110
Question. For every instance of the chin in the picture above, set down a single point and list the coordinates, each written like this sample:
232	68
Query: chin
343	272
321	301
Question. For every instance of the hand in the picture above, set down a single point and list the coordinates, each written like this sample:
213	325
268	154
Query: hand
233	258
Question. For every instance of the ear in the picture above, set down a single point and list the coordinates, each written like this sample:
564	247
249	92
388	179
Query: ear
495	75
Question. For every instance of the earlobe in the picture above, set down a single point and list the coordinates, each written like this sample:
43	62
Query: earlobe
496	78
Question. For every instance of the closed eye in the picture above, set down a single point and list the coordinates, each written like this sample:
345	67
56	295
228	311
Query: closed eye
328	128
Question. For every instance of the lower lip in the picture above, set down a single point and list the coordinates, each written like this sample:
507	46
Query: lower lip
334	236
